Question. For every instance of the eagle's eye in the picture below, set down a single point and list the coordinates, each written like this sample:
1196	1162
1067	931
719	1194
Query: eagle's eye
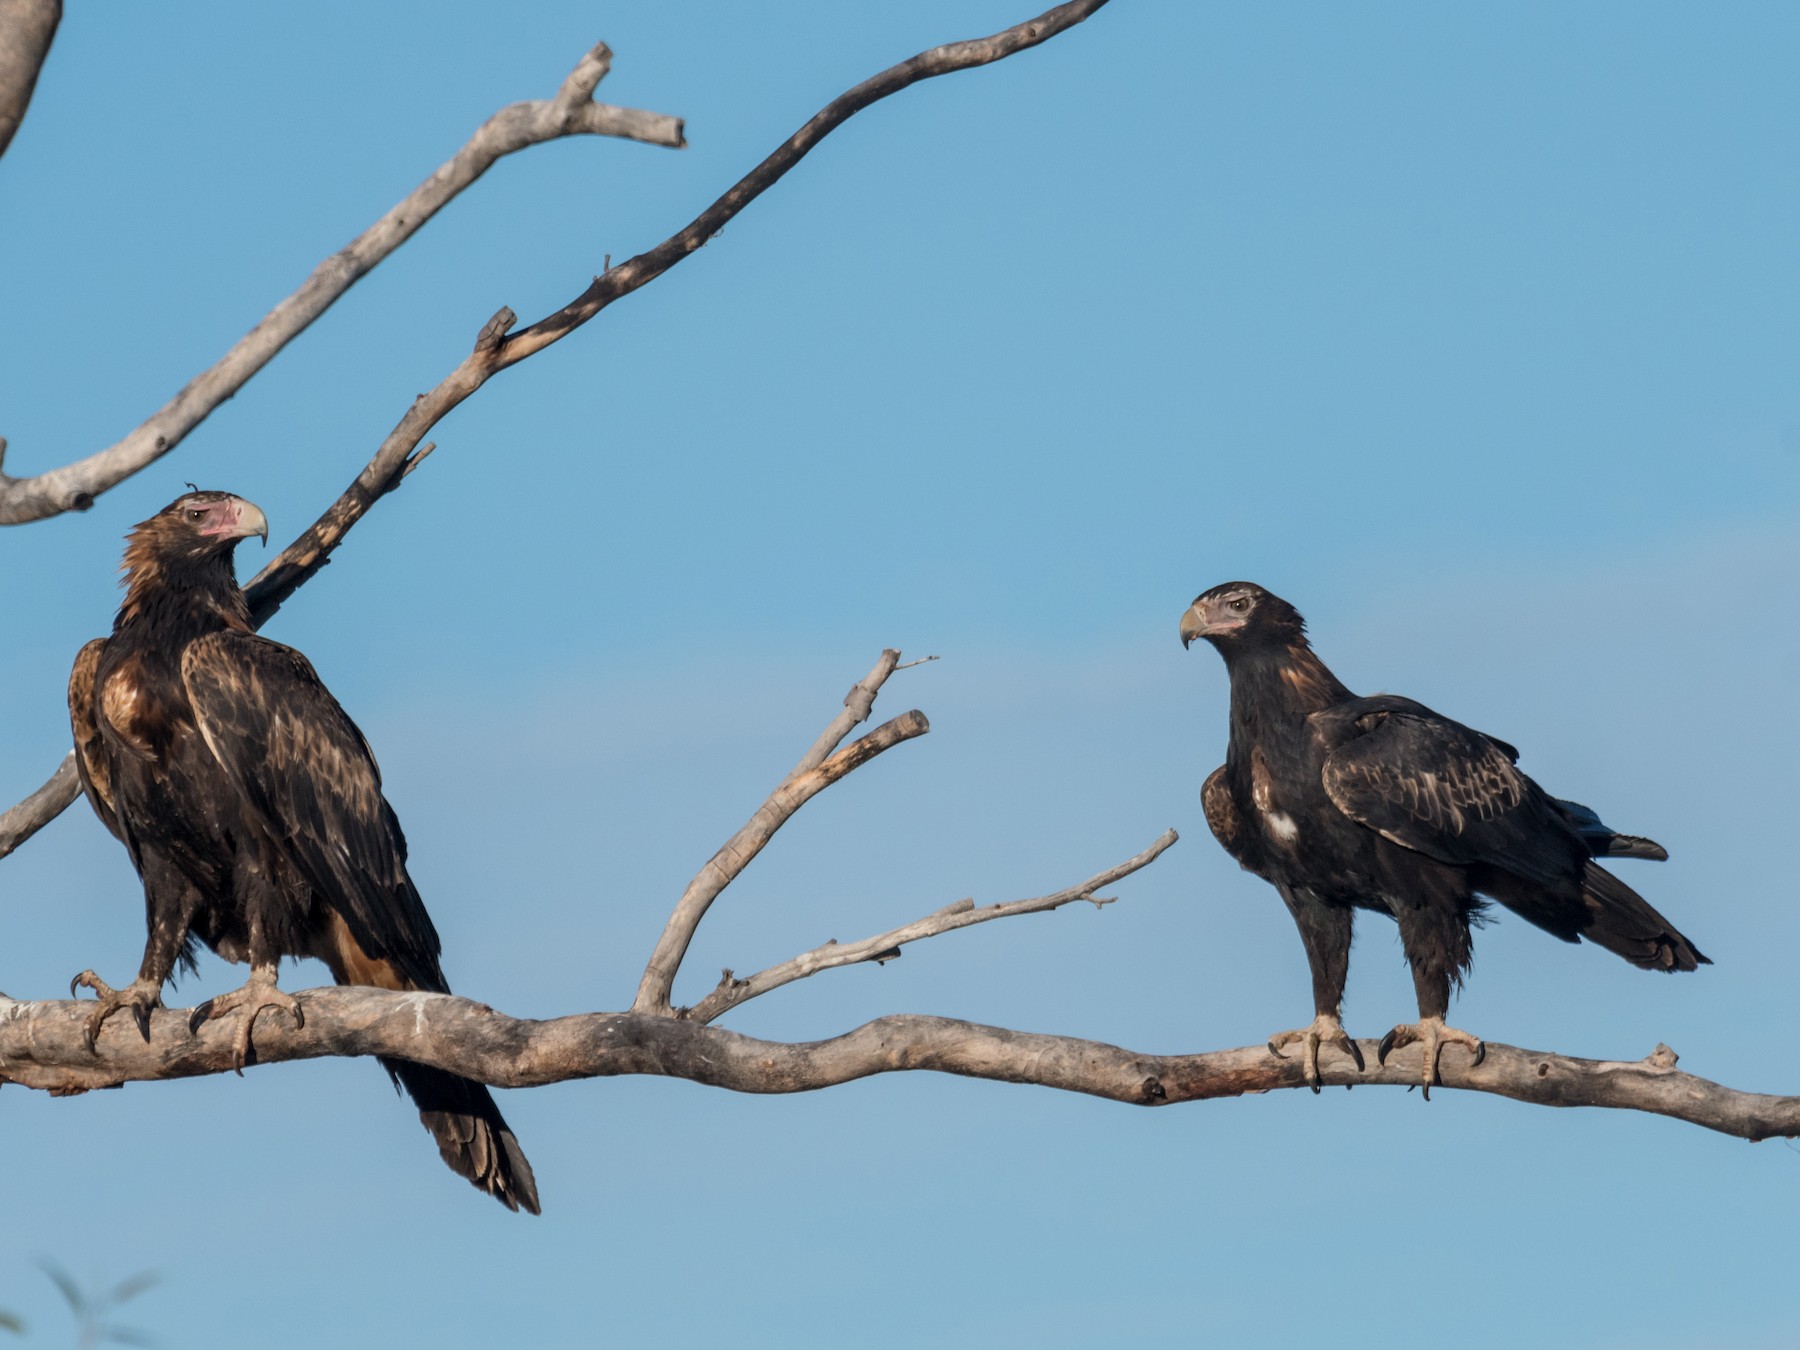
1239	604
195	513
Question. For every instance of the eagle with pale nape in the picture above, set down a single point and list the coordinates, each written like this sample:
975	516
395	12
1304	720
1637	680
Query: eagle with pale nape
1345	803
252	809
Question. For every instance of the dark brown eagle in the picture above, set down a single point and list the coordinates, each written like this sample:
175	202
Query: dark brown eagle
1346	803
252	809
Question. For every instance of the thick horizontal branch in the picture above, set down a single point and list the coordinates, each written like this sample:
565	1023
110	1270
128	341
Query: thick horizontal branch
27	28
42	1046
572	112
886	946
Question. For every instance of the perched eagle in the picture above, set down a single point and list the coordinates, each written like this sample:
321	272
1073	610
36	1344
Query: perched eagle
252	809
1379	803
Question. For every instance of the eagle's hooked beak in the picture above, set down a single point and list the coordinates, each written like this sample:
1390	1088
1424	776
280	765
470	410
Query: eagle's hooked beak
247	519
1192	625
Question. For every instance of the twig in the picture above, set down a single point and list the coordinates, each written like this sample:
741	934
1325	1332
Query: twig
809	778
571	112
42	1046
885	947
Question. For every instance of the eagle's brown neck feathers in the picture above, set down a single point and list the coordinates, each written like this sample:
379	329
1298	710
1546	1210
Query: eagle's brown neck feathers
176	586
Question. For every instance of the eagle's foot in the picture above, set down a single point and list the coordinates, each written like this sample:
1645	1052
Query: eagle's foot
1434	1036
258	995
141	996
1325	1030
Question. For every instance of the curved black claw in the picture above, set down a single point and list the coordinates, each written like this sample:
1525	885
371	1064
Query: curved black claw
257	996
1432	1035
141	997
1324	1030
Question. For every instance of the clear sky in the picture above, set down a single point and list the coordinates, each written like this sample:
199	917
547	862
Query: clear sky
1471	331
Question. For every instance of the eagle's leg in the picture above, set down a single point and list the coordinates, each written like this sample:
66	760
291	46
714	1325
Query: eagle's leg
1325	930
258	995
1437	946
168	938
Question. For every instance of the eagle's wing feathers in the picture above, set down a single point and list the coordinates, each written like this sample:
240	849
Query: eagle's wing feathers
305	770
1443	789
92	761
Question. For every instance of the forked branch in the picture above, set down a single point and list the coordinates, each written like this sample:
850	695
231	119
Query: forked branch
817	770
572	112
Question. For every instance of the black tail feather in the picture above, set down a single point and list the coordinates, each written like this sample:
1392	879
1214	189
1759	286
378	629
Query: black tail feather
471	1134
1622	921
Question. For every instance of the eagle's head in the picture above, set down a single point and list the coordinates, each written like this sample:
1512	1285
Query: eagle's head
188	544
1241	613
196	526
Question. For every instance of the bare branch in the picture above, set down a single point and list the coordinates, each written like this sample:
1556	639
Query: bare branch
27	28
886	946
622	280
794	791
284	574
43	806
42	1046
493	352
857	705
571	113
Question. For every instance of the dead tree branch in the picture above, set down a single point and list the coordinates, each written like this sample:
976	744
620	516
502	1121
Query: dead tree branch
817	770
886	946
572	112
284	574
27	28
42	1046
401	451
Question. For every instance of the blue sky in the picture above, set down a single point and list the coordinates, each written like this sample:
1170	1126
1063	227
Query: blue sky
1470	332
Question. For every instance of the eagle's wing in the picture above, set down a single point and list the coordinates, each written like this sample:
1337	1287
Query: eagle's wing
1443	789
93	761
1222	814
308	775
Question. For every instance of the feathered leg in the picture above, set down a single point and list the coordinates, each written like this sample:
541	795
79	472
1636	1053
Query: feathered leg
1325	930
1436	940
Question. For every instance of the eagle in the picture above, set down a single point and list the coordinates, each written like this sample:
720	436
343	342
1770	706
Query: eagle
252	809
1345	803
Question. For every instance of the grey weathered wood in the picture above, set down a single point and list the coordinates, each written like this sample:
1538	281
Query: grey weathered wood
572	112
494	351
654	989
27	28
732	991
42	1046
